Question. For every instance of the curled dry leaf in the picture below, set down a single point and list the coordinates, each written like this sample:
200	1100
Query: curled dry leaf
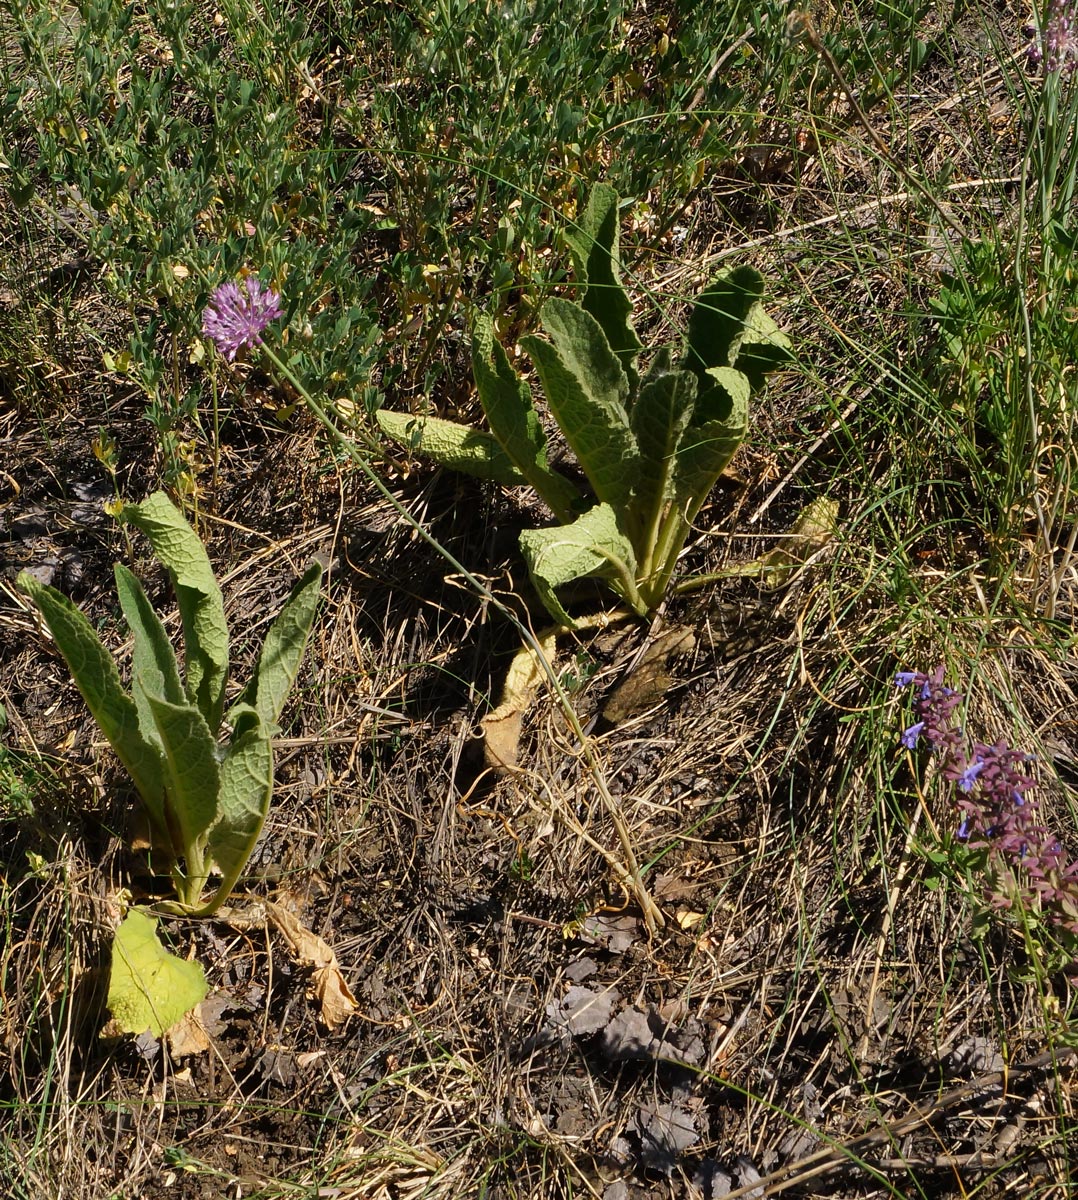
327	986
501	728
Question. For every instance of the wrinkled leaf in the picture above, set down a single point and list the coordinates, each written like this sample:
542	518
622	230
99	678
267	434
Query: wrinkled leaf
594	245
96	677
760	348
587	389
243	799
583	1010
149	988
282	651
202	610
706	448
192	776
649	680
154	670
717	320
665	1131
566	552
335	1000
507	402
459	447
659	418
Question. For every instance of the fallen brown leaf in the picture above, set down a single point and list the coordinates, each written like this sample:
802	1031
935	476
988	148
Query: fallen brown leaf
188	1035
327	984
501	728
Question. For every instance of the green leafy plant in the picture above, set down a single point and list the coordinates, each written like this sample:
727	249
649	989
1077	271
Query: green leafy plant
652	446
205	802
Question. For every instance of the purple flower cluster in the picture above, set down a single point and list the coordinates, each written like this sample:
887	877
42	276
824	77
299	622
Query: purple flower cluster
238	313
1026	863
1053	45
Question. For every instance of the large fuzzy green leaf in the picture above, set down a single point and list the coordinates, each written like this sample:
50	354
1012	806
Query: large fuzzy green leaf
594	245
282	651
192	776
592	545
586	389
202	610
760	348
154	669
97	678
459	447
244	798
659	419
718	319
149	988
719	425
507	402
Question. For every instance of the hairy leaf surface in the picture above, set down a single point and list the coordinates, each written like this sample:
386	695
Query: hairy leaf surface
154	669
202	610
244	798
192	776
659	419
717	319
712	439
97	678
592	545
586	389
595	246
149	988
282	651
507	402
459	447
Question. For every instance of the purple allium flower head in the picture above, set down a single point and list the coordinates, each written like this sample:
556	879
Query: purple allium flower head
1053	44
238	313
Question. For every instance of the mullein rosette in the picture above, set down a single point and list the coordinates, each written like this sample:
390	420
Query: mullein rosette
1026	863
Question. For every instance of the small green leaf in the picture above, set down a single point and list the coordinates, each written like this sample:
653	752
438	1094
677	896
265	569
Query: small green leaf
243	800
202	610
282	651
459	447
594	245
592	545
154	668
96	677
507	402
586	389
192	776
149	988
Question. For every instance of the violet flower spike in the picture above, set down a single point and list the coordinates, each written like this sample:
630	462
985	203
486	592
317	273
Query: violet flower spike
238	313
969	776
1054	46
911	736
